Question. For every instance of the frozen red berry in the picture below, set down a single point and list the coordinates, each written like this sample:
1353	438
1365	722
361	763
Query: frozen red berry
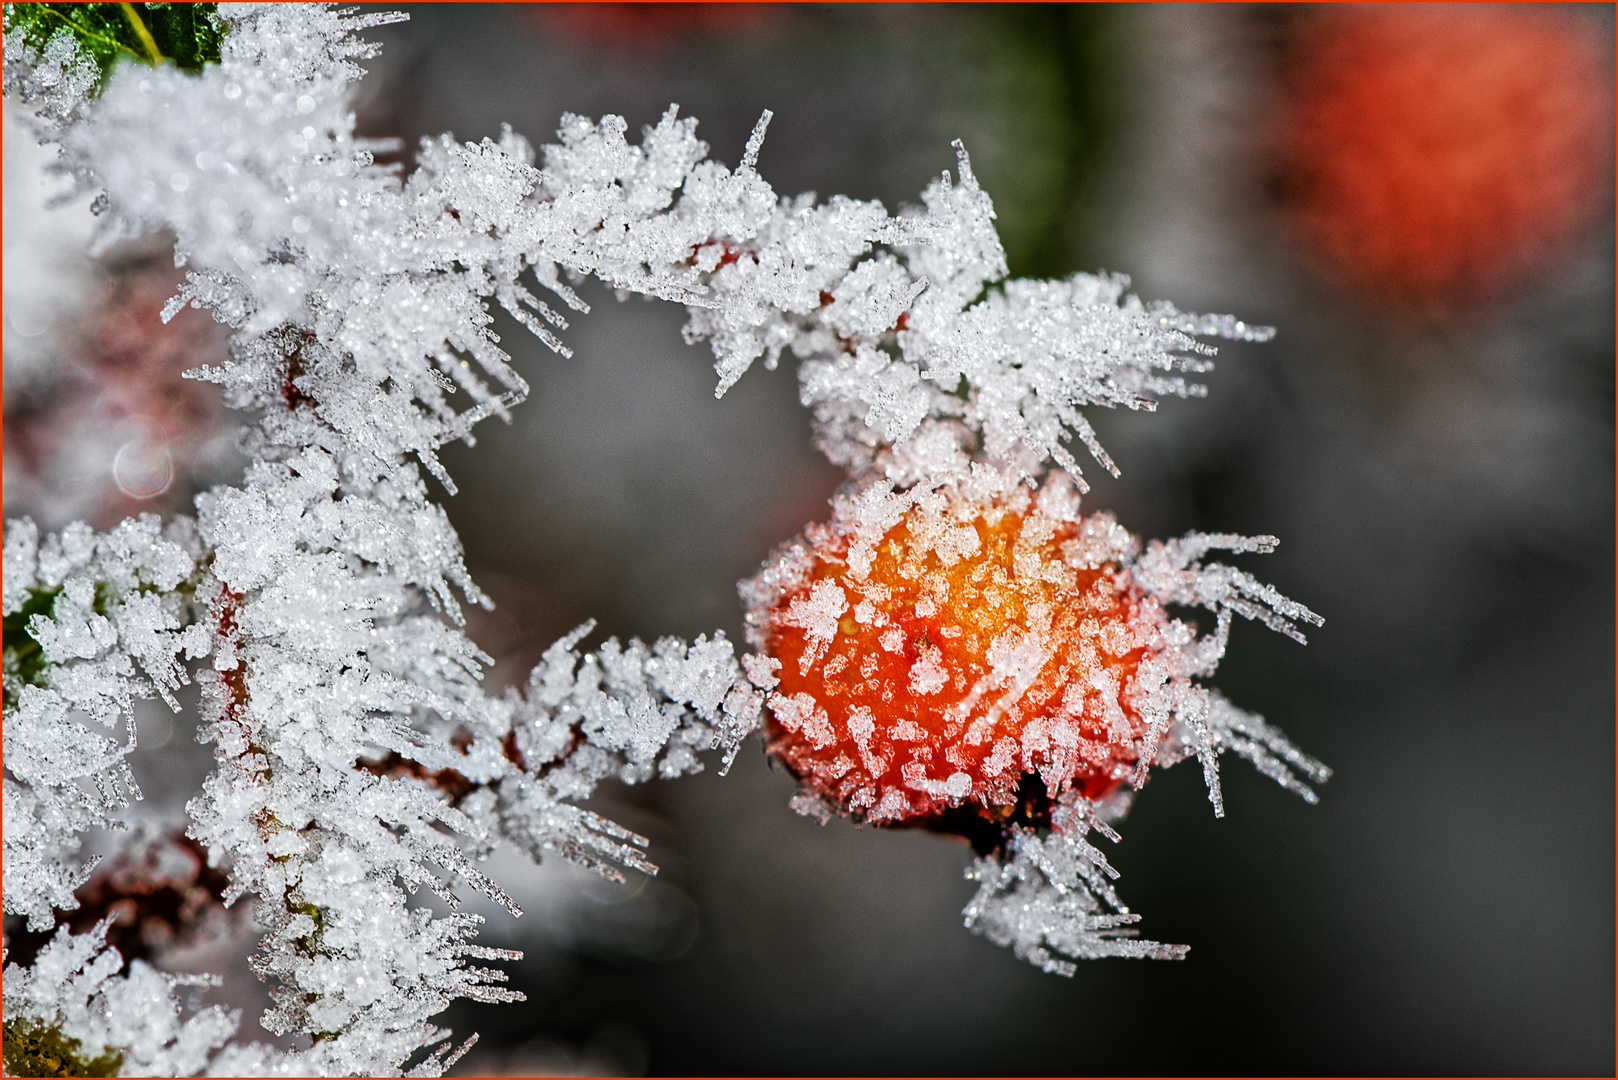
940	650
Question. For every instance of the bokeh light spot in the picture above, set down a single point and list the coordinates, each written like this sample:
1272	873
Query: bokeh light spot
143	469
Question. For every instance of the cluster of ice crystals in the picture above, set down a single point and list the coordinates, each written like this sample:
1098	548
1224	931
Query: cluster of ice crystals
630	713
104	618
57	80
74	986
359	968
1171	571
914	363
1050	899
322	586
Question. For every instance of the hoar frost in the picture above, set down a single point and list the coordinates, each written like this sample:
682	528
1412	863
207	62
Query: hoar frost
318	602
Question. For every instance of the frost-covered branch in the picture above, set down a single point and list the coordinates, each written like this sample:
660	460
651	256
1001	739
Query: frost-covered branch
358	756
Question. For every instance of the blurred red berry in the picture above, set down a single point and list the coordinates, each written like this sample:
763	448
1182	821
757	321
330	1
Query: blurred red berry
1440	154
647	26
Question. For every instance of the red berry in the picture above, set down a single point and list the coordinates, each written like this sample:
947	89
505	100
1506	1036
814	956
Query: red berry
1440	153
932	665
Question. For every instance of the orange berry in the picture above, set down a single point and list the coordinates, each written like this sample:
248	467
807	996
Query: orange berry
964	651
1441	153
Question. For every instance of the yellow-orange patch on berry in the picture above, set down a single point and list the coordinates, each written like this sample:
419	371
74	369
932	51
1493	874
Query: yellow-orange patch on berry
935	664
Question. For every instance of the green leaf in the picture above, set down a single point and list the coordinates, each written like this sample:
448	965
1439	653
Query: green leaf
185	35
32	1049
24	659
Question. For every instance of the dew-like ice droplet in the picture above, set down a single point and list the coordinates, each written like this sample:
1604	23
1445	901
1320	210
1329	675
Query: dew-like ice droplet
143	469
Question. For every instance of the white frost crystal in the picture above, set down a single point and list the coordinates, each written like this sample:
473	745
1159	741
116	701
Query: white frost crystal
1051	898
74	986
358	756
106	616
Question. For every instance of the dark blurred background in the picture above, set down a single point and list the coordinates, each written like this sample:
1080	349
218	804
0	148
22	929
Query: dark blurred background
1422	203
1424	210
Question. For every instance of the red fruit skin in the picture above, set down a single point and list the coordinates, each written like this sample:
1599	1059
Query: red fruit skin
647	27
944	680
1438	155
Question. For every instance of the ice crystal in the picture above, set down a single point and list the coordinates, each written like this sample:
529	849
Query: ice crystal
1052	898
92	623
358	756
55	77
74	990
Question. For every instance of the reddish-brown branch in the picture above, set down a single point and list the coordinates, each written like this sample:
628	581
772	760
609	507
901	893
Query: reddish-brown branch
227	607
296	369
729	253
392	764
451	783
513	754
456	786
